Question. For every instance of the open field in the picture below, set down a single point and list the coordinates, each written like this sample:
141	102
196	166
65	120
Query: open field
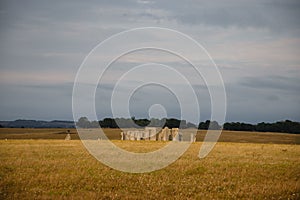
32	169
114	134
57	169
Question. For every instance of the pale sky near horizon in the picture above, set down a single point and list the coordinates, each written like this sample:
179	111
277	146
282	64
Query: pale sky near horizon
255	44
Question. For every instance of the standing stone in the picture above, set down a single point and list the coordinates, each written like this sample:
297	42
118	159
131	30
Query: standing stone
174	133
131	133
138	135
159	136
165	134
174	138
193	137
127	136
179	137
151	133
122	136
147	134
142	135
68	137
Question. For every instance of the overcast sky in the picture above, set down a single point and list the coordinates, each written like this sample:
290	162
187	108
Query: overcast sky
255	44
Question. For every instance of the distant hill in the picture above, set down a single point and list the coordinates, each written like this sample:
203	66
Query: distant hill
22	123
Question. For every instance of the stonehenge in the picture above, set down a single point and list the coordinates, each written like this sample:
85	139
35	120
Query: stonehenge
150	133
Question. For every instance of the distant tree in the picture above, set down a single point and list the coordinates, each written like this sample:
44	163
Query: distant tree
247	127
108	123
124	123
83	122
183	124
294	127
190	125
237	126
172	123
286	126
94	124
203	125
261	127
156	122
142	122
214	125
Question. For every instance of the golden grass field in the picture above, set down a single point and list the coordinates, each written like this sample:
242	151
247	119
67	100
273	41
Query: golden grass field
53	168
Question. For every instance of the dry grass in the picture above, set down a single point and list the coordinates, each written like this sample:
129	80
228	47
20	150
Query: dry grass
58	169
114	134
255	137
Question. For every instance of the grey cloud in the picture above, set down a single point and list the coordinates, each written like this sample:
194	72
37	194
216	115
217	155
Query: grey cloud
46	38
254	104
61	88
36	102
275	15
272	82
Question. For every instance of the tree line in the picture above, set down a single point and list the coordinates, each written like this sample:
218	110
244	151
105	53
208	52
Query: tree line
83	122
286	126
